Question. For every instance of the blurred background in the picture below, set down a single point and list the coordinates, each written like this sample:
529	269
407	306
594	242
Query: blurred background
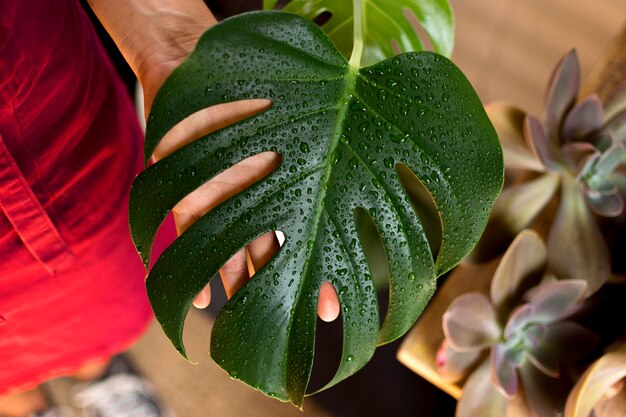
507	49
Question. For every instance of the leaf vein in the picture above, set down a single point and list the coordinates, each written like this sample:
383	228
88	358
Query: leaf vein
431	163
336	28
382	183
386	15
395	93
344	245
298	118
279	188
300	80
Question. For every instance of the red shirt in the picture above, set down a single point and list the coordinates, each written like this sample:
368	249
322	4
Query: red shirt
71	283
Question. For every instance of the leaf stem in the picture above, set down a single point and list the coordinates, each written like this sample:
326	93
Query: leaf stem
357	43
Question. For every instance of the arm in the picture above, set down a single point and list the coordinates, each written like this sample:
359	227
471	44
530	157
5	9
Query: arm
154	36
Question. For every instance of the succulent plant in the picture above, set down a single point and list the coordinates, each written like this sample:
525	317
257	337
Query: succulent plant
520	331
604	378
581	150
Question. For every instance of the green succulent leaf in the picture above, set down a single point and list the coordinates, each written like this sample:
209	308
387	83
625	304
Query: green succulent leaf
517	322
389	27
606	203
341	132
607	163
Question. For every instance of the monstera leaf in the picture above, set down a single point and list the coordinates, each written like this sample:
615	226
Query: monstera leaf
390	27
342	132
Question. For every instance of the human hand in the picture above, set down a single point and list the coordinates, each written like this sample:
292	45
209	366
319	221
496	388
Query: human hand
225	185
155	36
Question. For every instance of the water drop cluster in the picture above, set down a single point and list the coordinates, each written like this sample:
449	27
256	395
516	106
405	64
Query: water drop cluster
341	133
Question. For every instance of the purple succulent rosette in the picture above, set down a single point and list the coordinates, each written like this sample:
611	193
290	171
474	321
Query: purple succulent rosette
580	148
519	339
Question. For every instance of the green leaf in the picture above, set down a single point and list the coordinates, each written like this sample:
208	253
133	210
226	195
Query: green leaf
386	24
341	132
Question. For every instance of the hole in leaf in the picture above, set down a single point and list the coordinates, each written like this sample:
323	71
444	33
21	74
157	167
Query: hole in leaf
419	29
261	250
328	351
322	18
376	256
228	183
281	237
218	296
165	235
373	248
242	267
206	121
224	186
424	207
212	193
395	46
328	302
235	272
280	4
